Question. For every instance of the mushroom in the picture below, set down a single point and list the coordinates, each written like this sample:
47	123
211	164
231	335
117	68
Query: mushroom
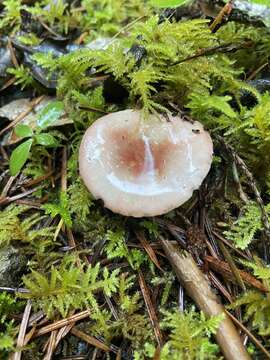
144	168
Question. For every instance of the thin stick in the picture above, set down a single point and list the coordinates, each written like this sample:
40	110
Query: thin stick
92	109
224	12
12	53
241	192
224	269
254	73
23	114
62	333
199	290
8	83
37	180
249	334
225	48
232	266
22	332
128	26
147	247
51	346
225	241
150	309
7	186
59	324
90	339
8	200
13	290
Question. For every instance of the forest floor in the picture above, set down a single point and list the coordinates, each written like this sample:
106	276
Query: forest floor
78	281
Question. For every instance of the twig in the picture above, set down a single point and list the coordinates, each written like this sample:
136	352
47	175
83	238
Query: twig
57	337
254	73
7	186
61	323
36	317
112	308
8	200
37	180
23	114
218	285
199	290
224	12
232	266
126	27
150	309
51	345
147	247
32	204
225	241
14	290
8	83
12	53
223	268
58	229
92	109
22	332
90	339
213	50
249	334
241	192
47	27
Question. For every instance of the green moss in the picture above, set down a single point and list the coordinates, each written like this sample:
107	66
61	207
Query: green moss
69	286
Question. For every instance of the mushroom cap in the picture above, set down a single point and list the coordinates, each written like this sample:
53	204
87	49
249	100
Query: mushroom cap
144	168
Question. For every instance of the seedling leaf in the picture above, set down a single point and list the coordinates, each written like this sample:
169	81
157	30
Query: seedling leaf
50	114
19	157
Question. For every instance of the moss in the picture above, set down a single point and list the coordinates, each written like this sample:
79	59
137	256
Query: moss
158	66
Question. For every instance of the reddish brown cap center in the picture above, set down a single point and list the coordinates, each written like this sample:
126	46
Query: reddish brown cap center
131	152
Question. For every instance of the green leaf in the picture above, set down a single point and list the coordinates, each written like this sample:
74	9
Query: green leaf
50	114
169	3
23	130
19	157
46	140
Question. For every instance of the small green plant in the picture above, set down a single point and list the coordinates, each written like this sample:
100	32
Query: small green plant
166	280
189	336
116	247
8	305
30	39
61	209
69	286
23	76
54	13
46	117
12	228
245	228
105	18
79	202
256	303
10	16
151	227
132	324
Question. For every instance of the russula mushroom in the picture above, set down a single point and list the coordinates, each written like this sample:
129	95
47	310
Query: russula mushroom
144	168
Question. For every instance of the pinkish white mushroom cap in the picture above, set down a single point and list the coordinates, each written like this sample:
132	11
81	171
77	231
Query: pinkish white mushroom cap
144	168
